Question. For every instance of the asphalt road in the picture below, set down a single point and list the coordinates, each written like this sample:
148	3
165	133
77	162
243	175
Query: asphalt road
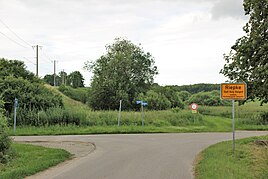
137	156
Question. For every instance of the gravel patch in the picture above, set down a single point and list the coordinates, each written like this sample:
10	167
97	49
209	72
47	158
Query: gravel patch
77	148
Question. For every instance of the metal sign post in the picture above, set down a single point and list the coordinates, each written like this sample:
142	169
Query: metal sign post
16	104
120	106
142	112
142	115
233	126
233	91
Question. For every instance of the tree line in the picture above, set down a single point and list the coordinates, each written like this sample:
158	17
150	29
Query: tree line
74	79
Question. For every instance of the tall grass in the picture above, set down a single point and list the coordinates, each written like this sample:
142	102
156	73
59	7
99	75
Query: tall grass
155	118
249	113
83	117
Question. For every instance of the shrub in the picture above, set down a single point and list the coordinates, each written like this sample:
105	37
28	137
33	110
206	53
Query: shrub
173	97
264	118
156	101
30	95
33	97
5	142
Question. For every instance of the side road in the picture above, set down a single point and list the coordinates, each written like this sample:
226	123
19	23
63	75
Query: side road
132	156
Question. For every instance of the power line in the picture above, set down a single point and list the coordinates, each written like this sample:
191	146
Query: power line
12	40
44	68
29	61
46	56
15	33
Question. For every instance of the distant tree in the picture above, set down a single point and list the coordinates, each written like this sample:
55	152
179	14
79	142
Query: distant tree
49	79
16	69
196	88
157	88
248	58
211	98
75	79
173	97
62	78
184	95
156	101
121	74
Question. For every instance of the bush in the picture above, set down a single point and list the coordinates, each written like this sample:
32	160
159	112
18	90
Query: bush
156	101
264	118
173	97
5	142
30	95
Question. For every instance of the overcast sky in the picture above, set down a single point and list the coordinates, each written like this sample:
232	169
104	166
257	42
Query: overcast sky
187	38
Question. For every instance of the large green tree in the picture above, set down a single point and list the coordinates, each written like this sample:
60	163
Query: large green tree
248	59
121	74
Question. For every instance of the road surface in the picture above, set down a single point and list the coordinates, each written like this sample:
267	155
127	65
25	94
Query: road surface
135	156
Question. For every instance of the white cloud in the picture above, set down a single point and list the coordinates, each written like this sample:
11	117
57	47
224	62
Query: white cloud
228	8
187	38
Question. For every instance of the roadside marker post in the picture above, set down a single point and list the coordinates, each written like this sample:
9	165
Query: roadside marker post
120	106
233	91
16	105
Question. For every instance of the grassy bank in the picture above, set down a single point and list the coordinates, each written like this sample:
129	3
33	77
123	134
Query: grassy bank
31	159
249	160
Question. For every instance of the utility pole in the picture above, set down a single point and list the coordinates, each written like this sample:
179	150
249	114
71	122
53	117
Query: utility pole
54	73
37	48
62	77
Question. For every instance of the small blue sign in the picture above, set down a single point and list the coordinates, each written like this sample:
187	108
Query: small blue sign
138	102
144	104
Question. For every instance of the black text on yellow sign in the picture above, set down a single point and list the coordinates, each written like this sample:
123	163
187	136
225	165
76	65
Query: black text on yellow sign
233	91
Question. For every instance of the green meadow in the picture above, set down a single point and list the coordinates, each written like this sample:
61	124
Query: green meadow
78	118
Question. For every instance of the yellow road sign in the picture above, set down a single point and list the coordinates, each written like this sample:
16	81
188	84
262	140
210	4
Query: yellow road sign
233	91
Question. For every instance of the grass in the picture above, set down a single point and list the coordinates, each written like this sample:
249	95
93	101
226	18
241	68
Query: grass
68	102
31	159
210	124
249	160
78	118
248	110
